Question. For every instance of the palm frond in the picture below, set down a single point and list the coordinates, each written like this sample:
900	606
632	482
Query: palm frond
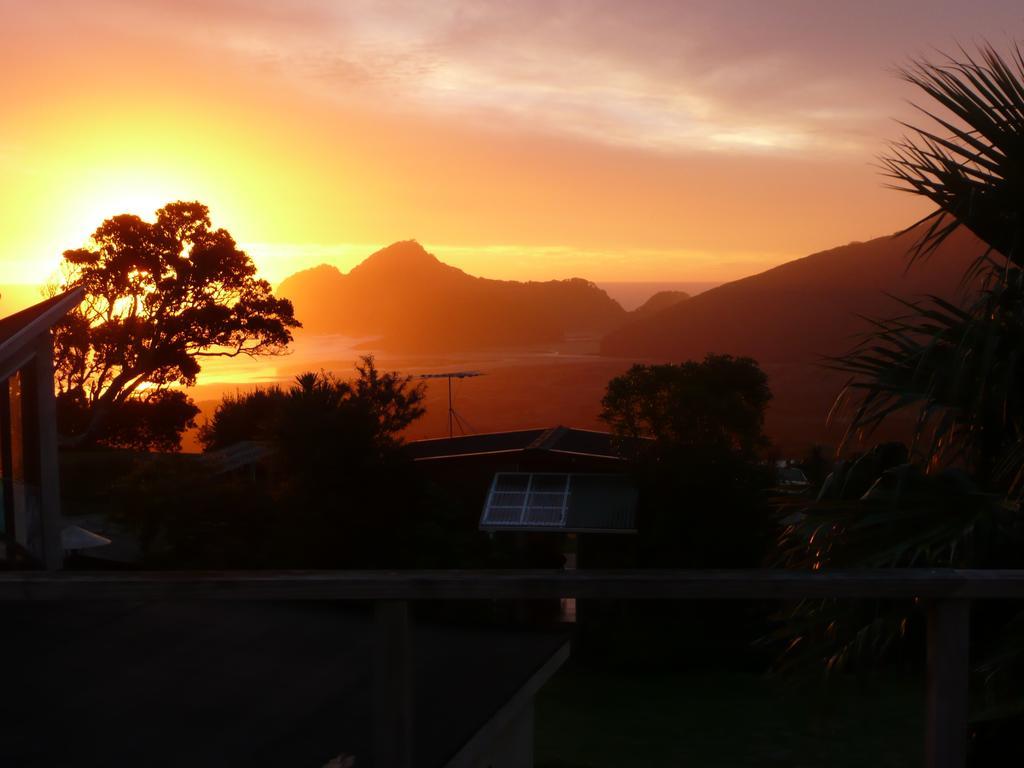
970	163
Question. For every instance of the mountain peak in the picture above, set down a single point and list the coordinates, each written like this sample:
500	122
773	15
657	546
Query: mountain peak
412	301
404	255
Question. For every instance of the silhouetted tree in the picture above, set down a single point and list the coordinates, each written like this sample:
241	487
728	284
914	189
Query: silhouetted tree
244	416
695	434
702	501
319	406
160	296
714	405
153	421
329	427
343	488
959	365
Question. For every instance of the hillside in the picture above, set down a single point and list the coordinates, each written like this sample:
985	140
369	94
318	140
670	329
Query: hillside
800	310
659	302
414	302
789	317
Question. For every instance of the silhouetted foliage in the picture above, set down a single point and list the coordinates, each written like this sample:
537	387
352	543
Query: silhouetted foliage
152	421
340	463
160	296
816	464
693	433
187	517
959	365
338	490
713	406
326	423
317	408
879	510
702	488
244	416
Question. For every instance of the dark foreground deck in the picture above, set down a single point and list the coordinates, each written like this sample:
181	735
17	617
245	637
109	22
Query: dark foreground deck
399	673
250	684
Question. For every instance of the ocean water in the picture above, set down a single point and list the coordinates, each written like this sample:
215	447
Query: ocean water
629	294
632	294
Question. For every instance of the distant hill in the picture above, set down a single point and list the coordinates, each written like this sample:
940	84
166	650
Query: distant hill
659	302
789	317
414	302
632	293
800	310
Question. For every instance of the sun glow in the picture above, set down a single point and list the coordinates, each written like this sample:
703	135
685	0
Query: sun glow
108	194
98	191
111	170
519	156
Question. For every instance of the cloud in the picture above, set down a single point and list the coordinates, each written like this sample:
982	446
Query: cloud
742	76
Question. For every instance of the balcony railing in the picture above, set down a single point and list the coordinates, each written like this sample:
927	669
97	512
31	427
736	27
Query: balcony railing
947	594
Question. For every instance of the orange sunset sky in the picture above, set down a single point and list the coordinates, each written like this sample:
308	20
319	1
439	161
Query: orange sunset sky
525	140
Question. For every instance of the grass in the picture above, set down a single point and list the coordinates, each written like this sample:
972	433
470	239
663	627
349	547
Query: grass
721	718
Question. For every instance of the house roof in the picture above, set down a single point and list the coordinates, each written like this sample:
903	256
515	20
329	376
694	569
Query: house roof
241	683
19	331
560	440
560	502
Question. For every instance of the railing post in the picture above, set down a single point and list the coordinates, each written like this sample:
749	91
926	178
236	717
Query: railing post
948	667
392	686
40	421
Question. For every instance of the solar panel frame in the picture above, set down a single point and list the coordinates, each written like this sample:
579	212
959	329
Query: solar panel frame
543	501
528	499
547	503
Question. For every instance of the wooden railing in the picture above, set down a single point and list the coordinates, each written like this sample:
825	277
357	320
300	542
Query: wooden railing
947	593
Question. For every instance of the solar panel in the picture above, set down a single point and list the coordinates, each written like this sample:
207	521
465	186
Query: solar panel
539	501
548	500
507	499
523	499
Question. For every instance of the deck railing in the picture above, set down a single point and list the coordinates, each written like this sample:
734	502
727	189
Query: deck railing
947	593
